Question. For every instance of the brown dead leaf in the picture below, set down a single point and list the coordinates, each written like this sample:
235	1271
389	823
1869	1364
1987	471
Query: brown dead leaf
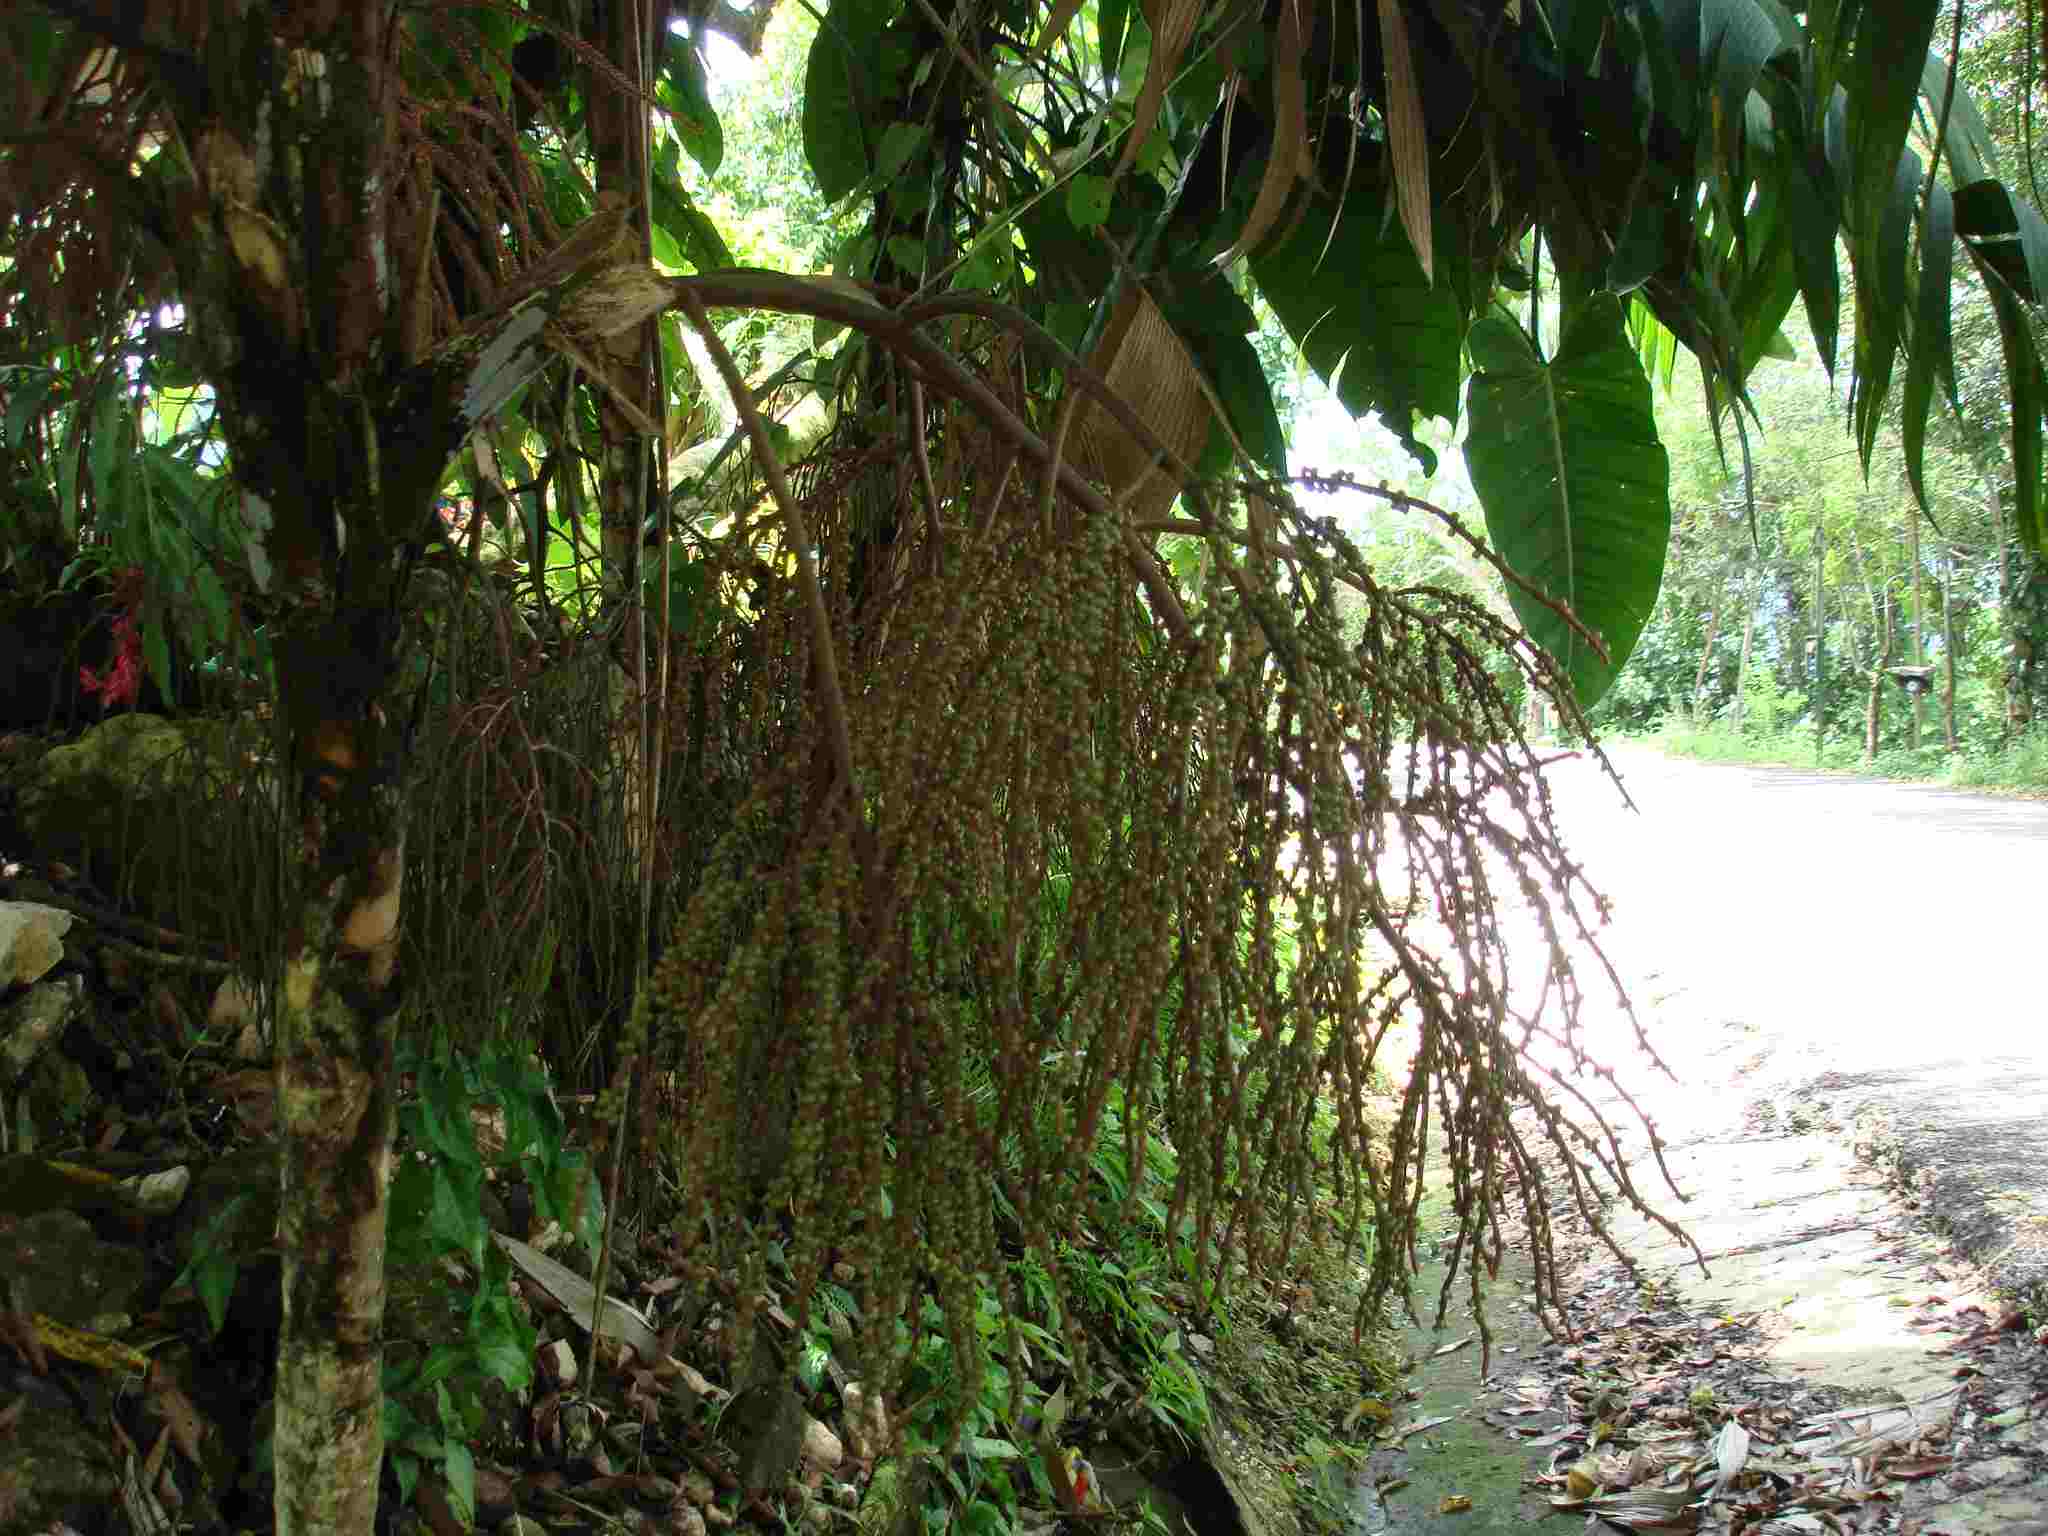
252	1095
186	1427
1924	1466
1289	155
153	1463
1640	1509
1407	135
1173	25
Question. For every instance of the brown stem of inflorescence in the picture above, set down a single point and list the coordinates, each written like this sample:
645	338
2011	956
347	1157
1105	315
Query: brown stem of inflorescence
798	537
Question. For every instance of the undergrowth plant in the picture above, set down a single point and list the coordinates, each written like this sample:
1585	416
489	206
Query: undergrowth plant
434	1404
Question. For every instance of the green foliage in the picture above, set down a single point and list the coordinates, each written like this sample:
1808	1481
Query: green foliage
1715	158
1349	290
1129	1295
998	832
686	94
436	1202
2018	763
437	1213
842	85
213	1267
1564	454
148	500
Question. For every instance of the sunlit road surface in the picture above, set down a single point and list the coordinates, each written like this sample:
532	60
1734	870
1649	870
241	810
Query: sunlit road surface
1858	924
1879	944
1775	928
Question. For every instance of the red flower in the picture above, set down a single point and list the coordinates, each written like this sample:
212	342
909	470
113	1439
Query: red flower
121	683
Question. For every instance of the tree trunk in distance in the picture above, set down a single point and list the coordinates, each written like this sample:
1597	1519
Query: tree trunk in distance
1948	650
1918	654
1699	680
1820	645
1874	708
2013	716
1742	657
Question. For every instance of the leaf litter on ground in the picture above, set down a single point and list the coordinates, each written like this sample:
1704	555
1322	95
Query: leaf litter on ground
1659	1419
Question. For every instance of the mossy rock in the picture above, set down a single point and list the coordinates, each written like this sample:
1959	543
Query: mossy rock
161	813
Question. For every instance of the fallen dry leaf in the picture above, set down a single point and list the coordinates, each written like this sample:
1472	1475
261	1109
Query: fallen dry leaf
1731	1451
1925	1466
1420	1425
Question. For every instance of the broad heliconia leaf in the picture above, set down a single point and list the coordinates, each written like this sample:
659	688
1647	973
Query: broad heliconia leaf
1576	487
1366	318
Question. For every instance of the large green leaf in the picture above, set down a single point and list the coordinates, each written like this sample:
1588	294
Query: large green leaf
1932	349
687	94
2028	395
842	83
1971	154
689	229
1364	315
1880	257
2007	233
1816	219
1576	487
1883	79
1215	324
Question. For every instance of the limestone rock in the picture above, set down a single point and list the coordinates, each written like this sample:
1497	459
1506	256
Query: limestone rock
31	941
821	1448
33	1021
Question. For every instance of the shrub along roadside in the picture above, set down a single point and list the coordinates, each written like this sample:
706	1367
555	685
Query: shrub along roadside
2019	764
